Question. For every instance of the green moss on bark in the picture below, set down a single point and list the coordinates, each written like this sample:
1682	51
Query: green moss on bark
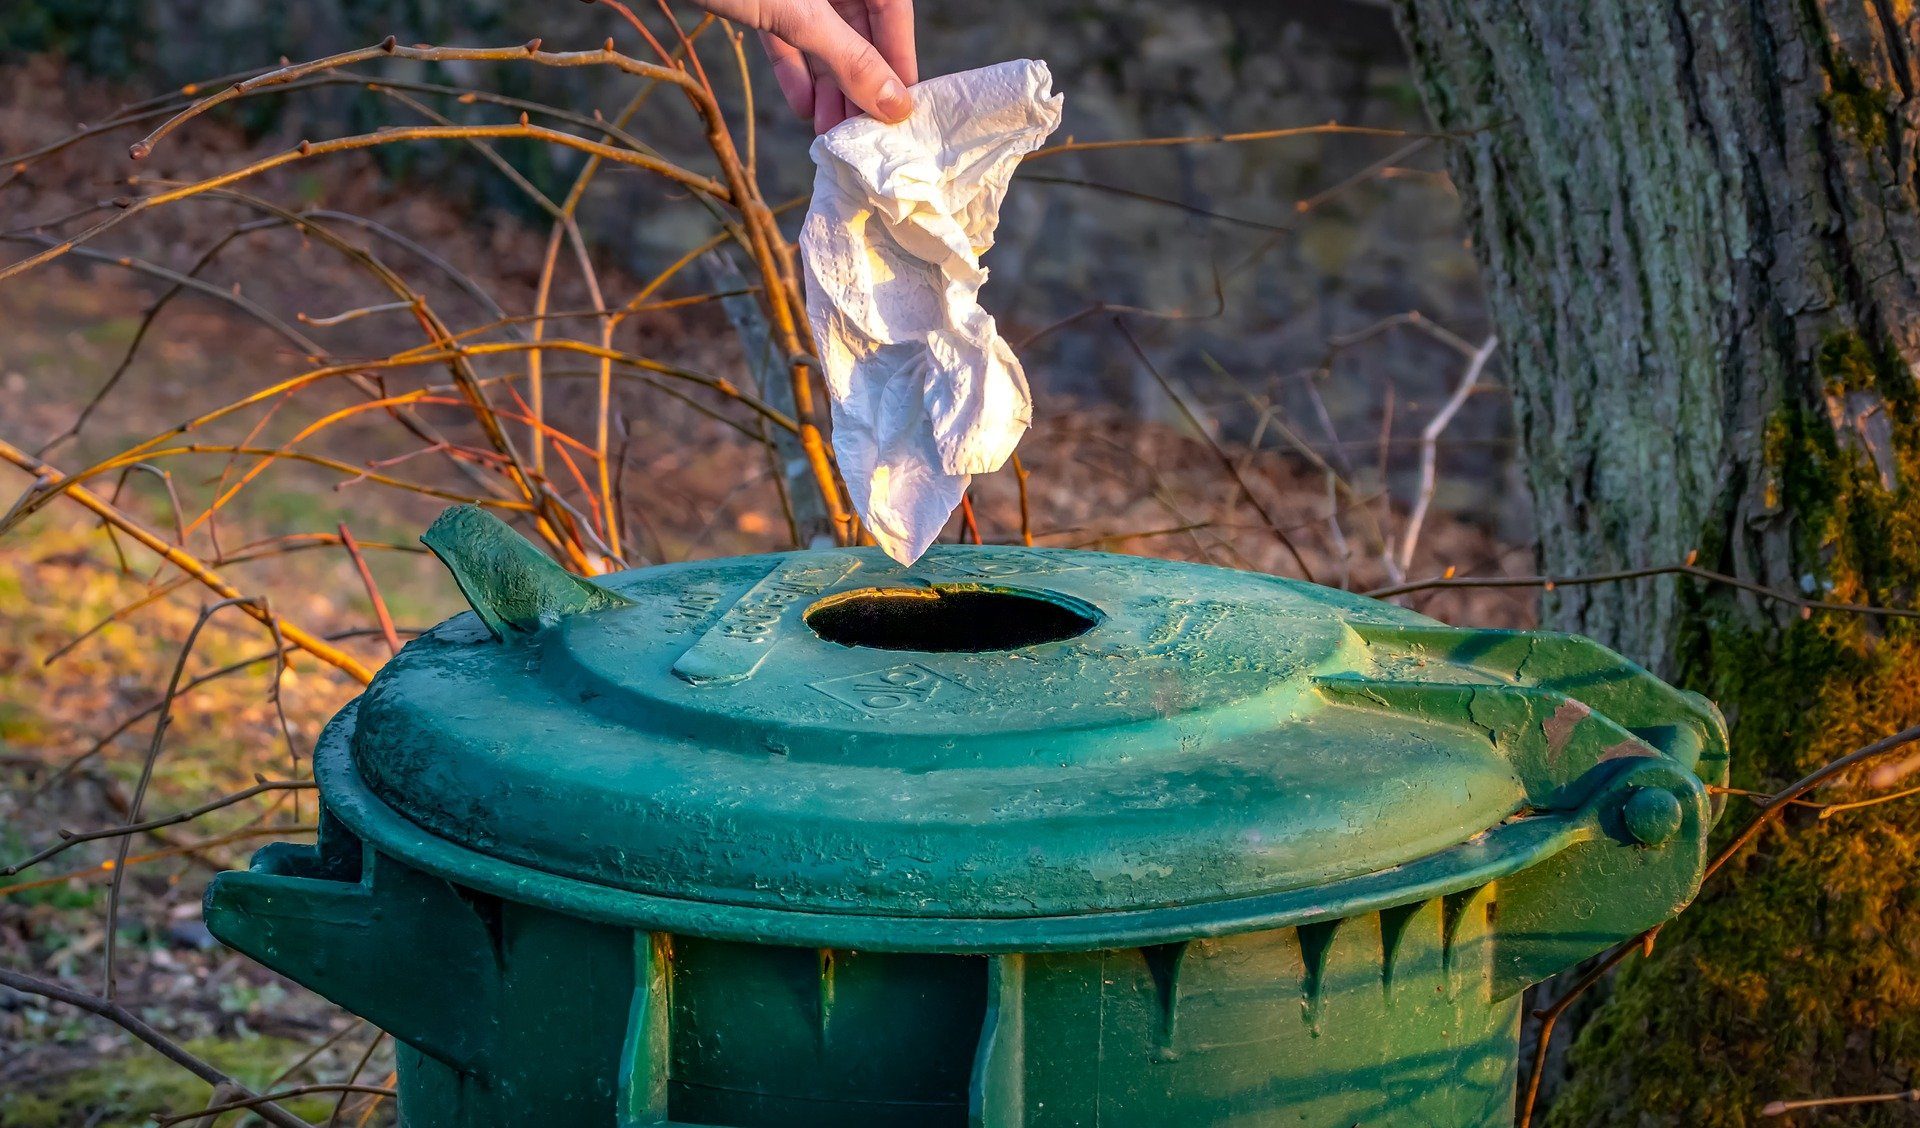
1858	108
1765	414
128	1088
1797	973
1848	364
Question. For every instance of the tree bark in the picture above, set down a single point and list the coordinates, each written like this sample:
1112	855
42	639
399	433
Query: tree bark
1699	222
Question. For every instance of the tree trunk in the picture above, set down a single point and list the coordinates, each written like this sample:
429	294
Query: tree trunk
1700	227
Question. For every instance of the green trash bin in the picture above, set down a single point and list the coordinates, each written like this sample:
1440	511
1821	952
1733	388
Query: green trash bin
1013	837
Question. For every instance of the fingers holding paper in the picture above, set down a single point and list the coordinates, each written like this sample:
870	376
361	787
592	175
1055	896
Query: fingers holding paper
834	59
925	393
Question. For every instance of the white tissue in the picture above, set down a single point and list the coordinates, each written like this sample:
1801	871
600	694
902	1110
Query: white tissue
925	393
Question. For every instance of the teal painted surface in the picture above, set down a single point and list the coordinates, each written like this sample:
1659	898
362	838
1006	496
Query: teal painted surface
1127	842
1214	735
1320	1026
512	586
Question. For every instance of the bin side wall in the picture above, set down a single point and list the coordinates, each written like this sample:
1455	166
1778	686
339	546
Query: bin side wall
1384	1018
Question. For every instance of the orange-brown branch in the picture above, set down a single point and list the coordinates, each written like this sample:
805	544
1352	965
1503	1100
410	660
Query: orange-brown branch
188	563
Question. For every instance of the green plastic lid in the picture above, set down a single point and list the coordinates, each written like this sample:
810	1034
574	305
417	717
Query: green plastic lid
994	733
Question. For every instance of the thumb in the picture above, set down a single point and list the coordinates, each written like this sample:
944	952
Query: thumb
863	76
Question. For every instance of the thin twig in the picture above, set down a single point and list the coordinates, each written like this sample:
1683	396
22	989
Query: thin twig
1020	474
968	522
257	550
1828	810
1271	414
1361	177
256	1100
356	256
189	849
1550	1017
354	473
1781	1108
471	387
366	1114
1698	573
1430	452
1332	127
1149	198
1411	319
308	150
565	225
352	314
391	49
69	839
228	670
181	282
133	1024
186	562
373	590
1094	309
352	1084
307	1058
1777	806
125	844
1226	461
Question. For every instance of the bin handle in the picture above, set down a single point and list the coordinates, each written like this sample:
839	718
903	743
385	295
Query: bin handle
1636	860
514	587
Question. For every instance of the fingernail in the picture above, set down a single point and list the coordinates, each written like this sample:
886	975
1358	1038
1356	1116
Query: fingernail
895	104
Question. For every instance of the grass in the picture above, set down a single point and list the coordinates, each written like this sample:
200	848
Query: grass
124	1089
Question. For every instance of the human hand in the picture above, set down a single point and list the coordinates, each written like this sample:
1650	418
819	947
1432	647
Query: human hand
834	58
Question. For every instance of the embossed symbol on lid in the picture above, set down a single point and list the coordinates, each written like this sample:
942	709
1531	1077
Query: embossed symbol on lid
892	691
996	563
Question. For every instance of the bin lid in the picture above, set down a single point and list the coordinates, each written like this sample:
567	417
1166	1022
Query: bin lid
994	732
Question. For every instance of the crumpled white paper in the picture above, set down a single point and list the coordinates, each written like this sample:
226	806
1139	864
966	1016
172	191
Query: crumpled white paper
925	392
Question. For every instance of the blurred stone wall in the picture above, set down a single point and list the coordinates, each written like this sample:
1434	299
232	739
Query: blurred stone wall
1291	280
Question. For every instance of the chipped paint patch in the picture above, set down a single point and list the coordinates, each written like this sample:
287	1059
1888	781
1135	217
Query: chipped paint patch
1559	727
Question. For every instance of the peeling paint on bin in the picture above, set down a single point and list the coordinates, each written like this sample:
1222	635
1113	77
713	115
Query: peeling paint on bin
1127	843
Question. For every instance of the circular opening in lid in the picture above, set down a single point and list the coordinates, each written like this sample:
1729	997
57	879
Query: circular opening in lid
947	620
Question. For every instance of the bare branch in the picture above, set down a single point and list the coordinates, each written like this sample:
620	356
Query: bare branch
194	849
1020	475
1698	573
1328	128
1430	453
391	49
353	1078
256	1100
139	1028
373	590
68	840
153	755
1781	1108
186	562
1226	461
1374	170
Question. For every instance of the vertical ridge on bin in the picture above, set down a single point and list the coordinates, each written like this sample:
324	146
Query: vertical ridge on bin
1163	967
1393	930
1453	909
823	1001
997	1093
1316	940
644	1059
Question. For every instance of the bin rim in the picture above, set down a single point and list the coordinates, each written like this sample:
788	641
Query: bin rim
1501	851
1105	734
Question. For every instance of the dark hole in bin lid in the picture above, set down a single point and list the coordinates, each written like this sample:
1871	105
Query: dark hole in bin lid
948	620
